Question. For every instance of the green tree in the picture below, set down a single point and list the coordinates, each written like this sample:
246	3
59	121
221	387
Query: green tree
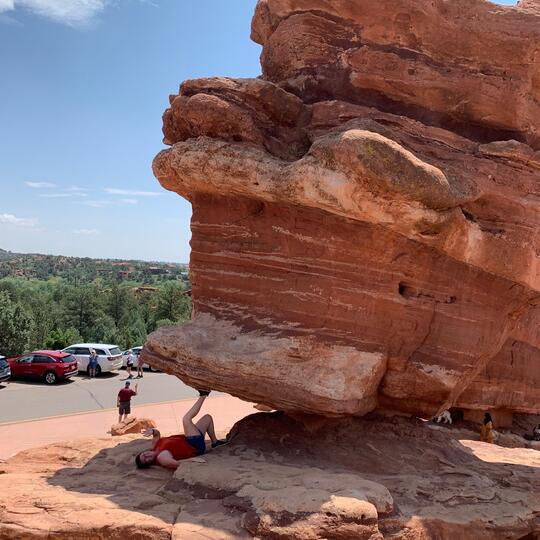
164	322
132	330
173	303
15	326
118	302
104	331
60	339
81	307
43	317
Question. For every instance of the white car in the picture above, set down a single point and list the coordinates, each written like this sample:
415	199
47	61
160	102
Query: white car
109	356
136	351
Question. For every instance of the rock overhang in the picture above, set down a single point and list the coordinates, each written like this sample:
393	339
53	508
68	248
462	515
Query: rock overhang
324	214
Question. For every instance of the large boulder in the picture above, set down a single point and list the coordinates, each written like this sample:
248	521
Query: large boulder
366	214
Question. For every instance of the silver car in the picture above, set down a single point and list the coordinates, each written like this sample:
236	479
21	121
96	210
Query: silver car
136	351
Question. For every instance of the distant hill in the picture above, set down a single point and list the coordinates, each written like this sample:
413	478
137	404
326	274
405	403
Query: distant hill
4	255
86	269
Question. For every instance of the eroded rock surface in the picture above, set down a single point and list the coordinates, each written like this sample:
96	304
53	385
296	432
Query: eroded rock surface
307	479
132	425
366	214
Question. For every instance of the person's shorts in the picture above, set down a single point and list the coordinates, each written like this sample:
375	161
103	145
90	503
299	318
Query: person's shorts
124	407
92	365
197	441
130	364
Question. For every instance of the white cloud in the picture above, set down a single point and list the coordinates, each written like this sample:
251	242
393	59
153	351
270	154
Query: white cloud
129	201
39	185
7	5
132	192
62	195
86	232
10	219
77	188
70	12
97	204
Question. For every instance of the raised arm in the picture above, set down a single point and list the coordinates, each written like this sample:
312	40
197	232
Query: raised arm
154	433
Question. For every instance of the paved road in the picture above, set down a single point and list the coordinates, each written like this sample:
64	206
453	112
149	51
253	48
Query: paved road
26	400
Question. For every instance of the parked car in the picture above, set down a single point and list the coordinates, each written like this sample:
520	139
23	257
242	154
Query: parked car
5	370
51	366
109	356
136	352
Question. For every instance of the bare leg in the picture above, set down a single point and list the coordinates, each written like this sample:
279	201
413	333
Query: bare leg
205	425
119	418
190	429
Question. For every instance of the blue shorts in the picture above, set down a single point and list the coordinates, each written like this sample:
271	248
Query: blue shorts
197	441
92	365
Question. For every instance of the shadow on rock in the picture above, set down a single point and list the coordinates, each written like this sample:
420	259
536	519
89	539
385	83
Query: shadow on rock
281	477
368	478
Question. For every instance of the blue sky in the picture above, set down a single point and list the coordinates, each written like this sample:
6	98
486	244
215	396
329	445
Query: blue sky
82	94
84	85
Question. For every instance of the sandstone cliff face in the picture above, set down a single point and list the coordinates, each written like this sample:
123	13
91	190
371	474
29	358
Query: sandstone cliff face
365	215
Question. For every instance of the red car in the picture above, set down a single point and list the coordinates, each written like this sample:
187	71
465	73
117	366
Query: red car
51	366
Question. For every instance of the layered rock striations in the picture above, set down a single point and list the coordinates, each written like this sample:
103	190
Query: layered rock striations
366	214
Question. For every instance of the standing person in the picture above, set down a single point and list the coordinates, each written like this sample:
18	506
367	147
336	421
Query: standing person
140	366
123	401
169	451
92	363
486	433
129	363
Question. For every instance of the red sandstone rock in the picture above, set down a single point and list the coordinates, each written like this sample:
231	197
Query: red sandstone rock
365	216
314	478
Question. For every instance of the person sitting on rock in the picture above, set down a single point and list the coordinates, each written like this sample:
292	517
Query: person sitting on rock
170	451
486	432
535	434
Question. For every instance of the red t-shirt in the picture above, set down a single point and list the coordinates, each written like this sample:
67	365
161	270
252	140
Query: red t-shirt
177	446
125	394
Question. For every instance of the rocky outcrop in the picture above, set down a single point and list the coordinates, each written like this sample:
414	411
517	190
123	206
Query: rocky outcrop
310	478
365	215
83	489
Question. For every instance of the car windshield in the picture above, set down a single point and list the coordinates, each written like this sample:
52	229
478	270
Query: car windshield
115	351
68	359
3	363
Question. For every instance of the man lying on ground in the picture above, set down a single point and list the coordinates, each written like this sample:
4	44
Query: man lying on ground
169	451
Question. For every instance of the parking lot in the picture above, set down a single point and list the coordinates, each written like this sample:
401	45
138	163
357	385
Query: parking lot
26	400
